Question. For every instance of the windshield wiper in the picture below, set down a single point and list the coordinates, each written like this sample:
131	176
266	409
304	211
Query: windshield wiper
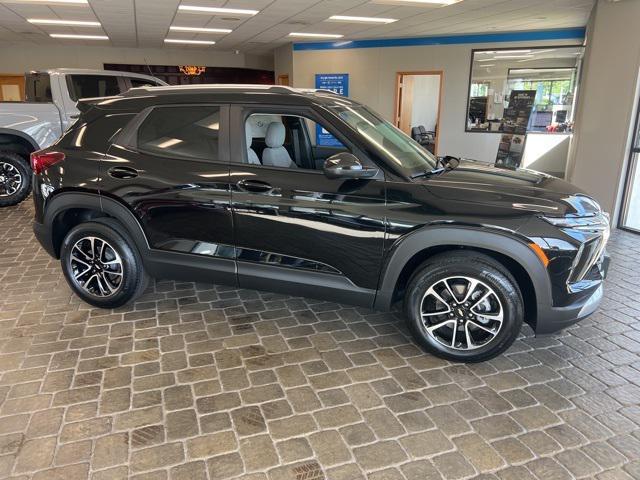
428	173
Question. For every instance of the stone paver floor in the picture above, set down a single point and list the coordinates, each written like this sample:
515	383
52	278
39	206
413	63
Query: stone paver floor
198	381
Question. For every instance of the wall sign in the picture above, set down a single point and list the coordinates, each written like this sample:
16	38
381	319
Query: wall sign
338	83
192	69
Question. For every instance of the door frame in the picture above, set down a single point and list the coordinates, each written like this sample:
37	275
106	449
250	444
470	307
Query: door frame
396	108
631	169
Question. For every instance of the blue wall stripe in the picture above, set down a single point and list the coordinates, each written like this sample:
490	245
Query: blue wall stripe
533	35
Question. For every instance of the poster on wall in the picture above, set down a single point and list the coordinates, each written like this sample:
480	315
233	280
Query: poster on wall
338	83
515	122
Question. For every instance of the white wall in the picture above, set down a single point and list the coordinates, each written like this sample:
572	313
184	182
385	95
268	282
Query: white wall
426	93
600	150
22	58
372	76
283	61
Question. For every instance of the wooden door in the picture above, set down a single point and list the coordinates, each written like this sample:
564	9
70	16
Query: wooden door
405	103
283	80
11	88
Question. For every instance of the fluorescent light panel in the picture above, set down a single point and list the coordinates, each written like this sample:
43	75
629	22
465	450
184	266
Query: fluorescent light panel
191	42
315	35
235	11
505	57
424	2
70	23
347	18
200	29
48	2
78	37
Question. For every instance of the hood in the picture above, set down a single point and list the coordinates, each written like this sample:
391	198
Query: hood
520	189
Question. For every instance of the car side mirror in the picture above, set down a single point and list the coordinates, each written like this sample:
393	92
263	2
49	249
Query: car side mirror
347	165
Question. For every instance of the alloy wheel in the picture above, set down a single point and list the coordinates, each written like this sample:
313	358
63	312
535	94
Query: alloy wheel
96	267
462	313
10	179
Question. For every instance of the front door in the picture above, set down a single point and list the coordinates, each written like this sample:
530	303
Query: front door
296	230
172	168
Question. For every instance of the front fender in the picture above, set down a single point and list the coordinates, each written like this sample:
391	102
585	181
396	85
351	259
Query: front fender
428	237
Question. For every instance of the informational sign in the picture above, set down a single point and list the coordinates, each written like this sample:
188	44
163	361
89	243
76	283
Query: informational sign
516	115
515	122
338	83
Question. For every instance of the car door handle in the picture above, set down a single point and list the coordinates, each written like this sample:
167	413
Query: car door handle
123	172
255	186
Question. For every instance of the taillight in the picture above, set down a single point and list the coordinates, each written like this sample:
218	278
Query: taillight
41	160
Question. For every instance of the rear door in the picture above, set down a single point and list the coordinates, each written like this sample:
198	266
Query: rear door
171	167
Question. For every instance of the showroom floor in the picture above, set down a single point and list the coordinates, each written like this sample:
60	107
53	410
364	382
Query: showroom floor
199	381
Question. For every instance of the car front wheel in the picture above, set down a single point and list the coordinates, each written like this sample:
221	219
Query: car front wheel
464	306
101	265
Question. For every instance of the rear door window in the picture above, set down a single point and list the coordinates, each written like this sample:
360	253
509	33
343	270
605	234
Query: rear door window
141	82
89	86
191	132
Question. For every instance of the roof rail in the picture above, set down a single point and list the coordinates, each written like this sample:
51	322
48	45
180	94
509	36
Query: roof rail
142	91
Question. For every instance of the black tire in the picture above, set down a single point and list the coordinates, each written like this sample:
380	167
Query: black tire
133	280
472	265
11	162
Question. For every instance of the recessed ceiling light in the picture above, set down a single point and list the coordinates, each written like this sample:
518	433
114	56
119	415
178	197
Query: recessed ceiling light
198	29
79	37
346	18
192	42
489	65
70	23
237	11
315	35
500	52
424	2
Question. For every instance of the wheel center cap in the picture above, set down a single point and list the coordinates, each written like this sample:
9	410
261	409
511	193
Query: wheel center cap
460	312
2	179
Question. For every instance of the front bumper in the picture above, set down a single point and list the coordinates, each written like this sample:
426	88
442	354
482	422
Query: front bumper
551	319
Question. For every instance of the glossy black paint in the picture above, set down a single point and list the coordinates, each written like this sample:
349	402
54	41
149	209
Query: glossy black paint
246	224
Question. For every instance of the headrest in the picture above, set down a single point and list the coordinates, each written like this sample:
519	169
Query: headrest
248	132
275	135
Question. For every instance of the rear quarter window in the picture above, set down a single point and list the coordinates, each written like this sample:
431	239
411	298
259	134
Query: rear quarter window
37	88
98	134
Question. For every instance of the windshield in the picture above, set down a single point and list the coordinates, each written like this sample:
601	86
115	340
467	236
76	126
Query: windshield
399	149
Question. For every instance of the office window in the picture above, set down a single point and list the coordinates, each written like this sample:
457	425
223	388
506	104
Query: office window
190	132
480	89
520	90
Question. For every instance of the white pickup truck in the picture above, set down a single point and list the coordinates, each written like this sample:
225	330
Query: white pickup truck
48	110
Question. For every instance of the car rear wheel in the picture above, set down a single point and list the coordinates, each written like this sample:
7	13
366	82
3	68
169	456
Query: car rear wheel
15	179
464	306
102	266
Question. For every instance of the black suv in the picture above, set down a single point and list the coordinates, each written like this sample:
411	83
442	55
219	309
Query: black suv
309	193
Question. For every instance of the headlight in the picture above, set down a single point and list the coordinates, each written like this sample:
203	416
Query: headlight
591	222
592	232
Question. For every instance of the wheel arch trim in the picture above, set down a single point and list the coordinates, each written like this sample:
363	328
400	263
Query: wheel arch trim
24	136
406	248
64	201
